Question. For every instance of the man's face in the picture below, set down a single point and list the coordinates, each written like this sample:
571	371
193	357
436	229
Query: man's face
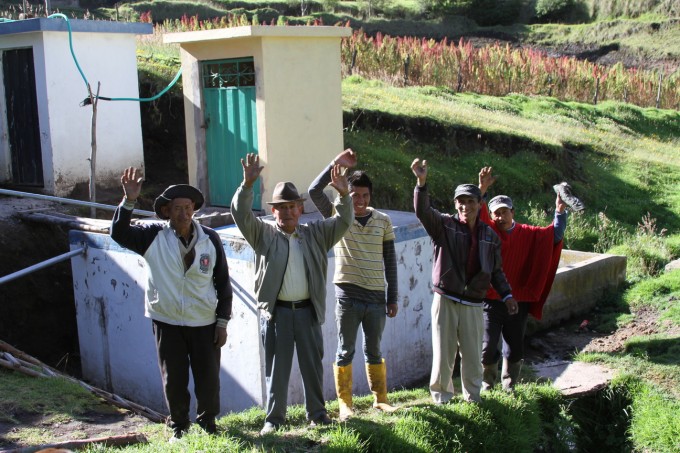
503	218
467	208
361	198
179	211
287	215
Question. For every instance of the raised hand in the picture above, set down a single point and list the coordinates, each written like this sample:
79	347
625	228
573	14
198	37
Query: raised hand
132	183
339	180
560	205
347	158
420	170
251	169
486	179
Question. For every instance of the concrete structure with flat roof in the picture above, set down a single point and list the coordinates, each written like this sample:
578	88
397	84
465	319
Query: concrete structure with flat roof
45	134
273	90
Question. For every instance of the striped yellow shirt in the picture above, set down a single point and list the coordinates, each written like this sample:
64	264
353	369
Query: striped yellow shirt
359	254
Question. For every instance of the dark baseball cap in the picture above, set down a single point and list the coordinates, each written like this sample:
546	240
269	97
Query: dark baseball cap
468	189
500	201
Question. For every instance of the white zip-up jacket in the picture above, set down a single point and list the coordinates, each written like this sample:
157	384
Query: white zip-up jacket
193	298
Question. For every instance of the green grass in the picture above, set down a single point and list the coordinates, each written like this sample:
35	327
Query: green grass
58	398
607	152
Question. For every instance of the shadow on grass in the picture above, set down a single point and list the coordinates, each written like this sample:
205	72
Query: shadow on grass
663	351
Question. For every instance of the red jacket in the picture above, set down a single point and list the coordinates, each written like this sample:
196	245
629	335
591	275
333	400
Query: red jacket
530	259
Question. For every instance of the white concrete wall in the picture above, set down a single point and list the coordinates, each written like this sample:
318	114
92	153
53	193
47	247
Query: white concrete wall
65	127
109	59
117	346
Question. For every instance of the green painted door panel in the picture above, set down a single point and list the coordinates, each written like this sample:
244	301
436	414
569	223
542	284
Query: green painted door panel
231	133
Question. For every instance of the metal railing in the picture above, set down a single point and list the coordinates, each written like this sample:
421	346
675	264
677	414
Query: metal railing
90	204
42	264
64	256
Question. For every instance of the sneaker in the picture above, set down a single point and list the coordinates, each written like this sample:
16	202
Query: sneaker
268	428
565	192
322	420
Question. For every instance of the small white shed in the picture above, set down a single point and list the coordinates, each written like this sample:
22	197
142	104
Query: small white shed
45	135
274	91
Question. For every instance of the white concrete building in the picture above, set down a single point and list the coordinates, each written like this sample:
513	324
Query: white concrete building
274	91
45	135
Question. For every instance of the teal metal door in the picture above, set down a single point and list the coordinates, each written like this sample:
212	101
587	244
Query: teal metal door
231	125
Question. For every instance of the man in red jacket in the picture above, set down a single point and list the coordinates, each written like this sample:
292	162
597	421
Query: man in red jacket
530	256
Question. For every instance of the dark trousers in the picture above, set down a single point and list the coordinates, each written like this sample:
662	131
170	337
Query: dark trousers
499	324
180	348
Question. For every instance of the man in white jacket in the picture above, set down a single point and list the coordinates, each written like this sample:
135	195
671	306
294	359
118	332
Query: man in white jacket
188	296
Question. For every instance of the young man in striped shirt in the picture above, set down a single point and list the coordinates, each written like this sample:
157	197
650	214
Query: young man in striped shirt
365	259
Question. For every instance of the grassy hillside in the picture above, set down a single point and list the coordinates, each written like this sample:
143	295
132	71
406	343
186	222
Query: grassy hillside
623	160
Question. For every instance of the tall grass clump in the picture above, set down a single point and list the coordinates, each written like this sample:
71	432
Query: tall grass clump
595	232
646	250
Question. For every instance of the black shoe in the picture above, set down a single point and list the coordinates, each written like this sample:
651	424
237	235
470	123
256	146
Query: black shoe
565	192
322	420
208	426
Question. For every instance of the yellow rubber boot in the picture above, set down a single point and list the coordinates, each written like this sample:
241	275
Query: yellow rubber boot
377	381
343	388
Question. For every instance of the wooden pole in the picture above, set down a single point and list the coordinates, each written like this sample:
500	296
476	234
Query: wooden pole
93	151
658	91
109	441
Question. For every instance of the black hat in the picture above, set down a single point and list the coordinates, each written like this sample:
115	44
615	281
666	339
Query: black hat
500	201
468	189
178	191
285	192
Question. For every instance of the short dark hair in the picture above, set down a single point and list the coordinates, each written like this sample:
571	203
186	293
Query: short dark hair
360	179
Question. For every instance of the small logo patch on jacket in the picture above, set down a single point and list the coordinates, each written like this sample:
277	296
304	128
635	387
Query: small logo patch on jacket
205	263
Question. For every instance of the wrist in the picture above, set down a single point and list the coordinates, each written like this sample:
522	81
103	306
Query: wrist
128	203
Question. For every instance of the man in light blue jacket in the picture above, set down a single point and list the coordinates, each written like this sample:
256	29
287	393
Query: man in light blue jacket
188	296
290	286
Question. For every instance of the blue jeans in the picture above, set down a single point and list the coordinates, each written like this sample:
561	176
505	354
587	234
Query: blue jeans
349	314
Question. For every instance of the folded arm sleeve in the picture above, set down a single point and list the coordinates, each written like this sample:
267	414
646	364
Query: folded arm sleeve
321	201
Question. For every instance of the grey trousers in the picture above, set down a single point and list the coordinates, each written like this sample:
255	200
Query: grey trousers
288	331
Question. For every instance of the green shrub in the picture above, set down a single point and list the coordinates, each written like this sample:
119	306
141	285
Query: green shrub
565	11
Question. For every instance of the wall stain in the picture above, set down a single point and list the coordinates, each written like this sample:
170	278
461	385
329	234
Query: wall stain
412	282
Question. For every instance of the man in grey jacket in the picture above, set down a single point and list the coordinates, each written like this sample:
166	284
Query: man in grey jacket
290	286
188	296
467	258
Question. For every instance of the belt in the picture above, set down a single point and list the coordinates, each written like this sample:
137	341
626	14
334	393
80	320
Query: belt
294	304
462	301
